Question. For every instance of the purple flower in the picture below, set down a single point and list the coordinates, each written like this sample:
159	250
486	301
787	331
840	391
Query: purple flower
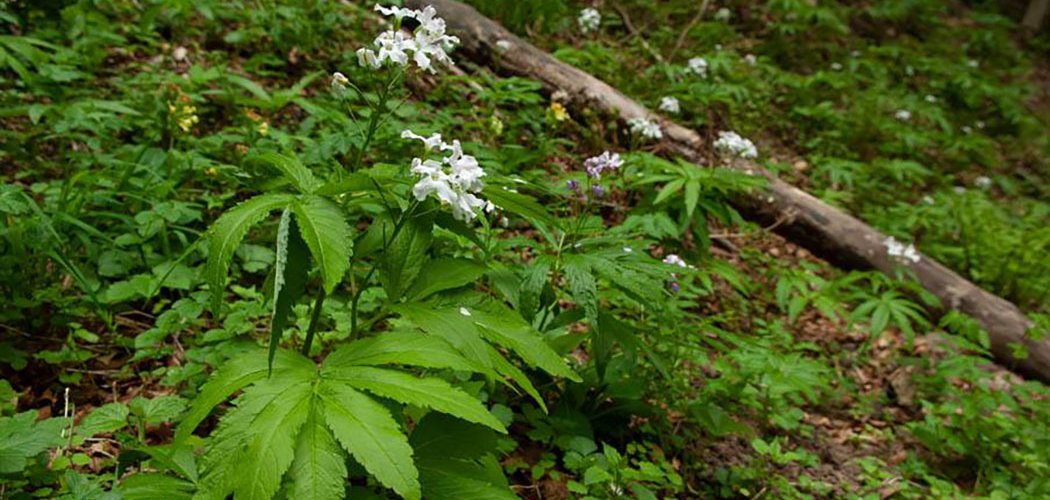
674	287
573	185
598	191
605	161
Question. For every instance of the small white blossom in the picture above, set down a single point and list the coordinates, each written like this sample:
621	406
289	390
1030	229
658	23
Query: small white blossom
967	130
903	115
983	182
455	180
901	252
979	124
854	53
645	127
835	66
627	249
675	260
750	59
908	70
959	190
723	15
670	105
339	81
930	98
927	200
503	45
697	66
973	63
589	20
464	311
427	44
731	143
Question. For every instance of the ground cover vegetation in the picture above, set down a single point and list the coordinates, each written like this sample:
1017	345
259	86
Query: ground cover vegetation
288	249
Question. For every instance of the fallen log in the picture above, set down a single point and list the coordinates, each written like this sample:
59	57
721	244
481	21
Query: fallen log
826	231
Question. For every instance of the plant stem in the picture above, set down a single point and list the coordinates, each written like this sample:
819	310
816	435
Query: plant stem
315	318
368	277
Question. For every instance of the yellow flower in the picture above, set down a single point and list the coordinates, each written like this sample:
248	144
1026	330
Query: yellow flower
211	172
264	128
559	112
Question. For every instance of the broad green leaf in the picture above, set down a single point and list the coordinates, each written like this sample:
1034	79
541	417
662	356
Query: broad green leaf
455	460
291	168
367	431
432	393
507	330
105	418
228	231
669	189
23	437
323	227
405	255
271	447
584	288
319	469
159	409
531	289
403	348
234	375
443	274
290	274
151	486
451	325
523	205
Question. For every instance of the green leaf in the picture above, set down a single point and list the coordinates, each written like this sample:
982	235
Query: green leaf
290	274
105	418
159	409
456	460
23	437
523	205
228	231
150	486
271	447
233	376
319	469
404	348
366	430
406	254
505	329
323	226
444	274
291	168
583	287
427	392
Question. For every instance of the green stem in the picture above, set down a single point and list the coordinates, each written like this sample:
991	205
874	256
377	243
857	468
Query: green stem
373	121
315	318
375	265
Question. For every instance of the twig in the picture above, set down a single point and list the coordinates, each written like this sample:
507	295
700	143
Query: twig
630	27
692	22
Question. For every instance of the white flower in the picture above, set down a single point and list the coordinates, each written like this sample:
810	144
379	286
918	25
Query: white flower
503	45
750	59
731	143
983	182
903	115
339	81
645	127
959	189
854	53
930	98
908	70
427	44
670	105
589	20
454	180
900	252
627	249
836	66
675	260
979	124
967	130
723	15
464	311
697	66
927	200
973	63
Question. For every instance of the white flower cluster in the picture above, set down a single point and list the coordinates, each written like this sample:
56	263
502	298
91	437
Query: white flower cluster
675	260
899	251
697	66
605	161
455	179
589	20
983	182
670	104
750	59
732	144
645	127
903	115
427	44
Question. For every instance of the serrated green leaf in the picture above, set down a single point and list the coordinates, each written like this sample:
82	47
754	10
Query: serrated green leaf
427	392
291	168
290	275
366	430
583	287
271	445
404	348
228	231
444	274
105	418
150	486
455	460
233	376
505	329
323	227
22	437
405	255
319	469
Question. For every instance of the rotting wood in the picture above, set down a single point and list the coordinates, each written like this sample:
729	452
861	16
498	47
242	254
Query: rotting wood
824	230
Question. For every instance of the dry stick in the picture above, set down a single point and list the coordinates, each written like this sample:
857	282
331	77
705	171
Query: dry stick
808	221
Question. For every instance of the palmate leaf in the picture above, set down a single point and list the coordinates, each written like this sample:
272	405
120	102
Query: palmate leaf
228	231
403	347
293	429
426	392
291	168
325	231
456	460
444	274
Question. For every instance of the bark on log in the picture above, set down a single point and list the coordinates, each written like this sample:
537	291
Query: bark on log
1035	14
802	218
